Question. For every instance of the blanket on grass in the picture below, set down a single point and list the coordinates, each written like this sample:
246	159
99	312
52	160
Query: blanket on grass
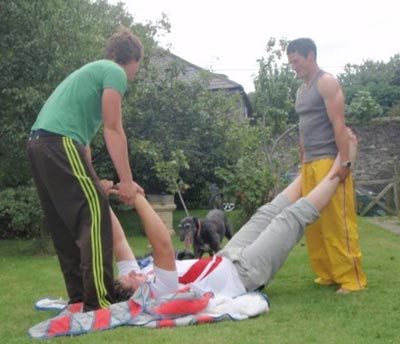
184	307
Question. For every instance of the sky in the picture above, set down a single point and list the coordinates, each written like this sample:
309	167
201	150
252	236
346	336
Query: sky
229	36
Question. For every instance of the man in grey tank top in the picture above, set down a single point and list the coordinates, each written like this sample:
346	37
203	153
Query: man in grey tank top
332	241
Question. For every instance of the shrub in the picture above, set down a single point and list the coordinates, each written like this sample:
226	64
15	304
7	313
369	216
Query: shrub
250	182
250	179
21	215
363	107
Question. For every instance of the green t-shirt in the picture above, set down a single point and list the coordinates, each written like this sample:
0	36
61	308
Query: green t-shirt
74	108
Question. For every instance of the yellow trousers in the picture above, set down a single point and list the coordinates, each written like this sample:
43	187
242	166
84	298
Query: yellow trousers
332	240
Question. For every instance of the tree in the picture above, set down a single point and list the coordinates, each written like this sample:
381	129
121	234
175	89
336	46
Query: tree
381	80
40	43
170	124
249	180
275	88
179	116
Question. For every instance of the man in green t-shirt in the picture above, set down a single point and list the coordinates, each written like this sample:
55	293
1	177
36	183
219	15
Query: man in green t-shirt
75	205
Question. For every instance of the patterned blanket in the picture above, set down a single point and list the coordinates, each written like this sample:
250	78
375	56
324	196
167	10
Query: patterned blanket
184	307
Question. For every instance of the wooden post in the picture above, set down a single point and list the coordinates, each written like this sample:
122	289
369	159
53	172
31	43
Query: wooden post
396	183
181	198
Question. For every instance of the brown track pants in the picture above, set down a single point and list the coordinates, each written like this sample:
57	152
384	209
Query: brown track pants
78	217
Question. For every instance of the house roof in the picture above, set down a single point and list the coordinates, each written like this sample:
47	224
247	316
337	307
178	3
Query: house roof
164	58
190	72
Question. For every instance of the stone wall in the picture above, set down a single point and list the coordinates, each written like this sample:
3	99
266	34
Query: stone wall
379	149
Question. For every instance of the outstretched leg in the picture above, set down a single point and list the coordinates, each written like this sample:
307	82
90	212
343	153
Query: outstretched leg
260	260
249	232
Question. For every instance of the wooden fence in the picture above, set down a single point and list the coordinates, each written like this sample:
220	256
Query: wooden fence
376	199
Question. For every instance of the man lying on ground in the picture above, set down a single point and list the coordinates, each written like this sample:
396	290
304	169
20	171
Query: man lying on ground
249	260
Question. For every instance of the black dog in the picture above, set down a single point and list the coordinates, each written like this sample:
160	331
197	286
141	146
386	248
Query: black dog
205	235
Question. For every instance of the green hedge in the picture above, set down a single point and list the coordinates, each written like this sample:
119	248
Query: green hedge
21	215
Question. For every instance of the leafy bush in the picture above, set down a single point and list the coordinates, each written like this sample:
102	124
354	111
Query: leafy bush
363	107
250	179
21	215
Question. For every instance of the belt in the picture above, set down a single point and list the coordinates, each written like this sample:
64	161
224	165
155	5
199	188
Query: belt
35	134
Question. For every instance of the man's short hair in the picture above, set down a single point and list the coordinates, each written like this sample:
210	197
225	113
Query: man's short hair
121	293
123	47
303	46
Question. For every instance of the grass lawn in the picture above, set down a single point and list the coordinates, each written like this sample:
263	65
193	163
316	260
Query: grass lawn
301	312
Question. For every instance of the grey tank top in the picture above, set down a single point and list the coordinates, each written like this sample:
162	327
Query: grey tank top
315	128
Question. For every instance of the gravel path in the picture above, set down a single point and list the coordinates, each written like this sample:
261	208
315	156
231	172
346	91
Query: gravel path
390	223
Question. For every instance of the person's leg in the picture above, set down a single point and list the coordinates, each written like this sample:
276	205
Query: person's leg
339	228
352	277
258	262
257	251
312	174
340	233
123	253
83	205
96	244
260	220
341	243
68	252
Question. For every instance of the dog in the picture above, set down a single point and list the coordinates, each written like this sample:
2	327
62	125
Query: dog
205	235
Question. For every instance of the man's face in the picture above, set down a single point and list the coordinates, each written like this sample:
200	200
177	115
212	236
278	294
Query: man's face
300	64
133	280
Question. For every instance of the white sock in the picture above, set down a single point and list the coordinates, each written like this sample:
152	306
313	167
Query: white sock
126	266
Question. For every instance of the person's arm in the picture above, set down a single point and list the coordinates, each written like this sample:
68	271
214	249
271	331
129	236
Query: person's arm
88	153
157	234
332	94
116	143
322	193
166	276
122	250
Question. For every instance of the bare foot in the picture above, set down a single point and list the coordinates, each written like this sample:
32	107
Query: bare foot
343	291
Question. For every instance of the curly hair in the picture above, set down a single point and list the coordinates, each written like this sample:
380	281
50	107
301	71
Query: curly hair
123	47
